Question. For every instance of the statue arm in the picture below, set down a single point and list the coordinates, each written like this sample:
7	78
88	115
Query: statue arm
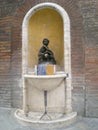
41	52
48	51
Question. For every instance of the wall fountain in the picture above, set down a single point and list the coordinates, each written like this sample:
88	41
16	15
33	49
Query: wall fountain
46	77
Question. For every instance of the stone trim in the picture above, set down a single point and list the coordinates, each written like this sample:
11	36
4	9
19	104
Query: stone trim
67	44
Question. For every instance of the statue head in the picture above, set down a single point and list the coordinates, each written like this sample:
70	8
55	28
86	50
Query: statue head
45	41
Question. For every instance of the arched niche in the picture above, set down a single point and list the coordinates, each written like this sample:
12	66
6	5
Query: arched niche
51	21
45	23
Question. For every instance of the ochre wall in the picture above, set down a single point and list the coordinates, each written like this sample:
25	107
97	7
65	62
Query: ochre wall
45	23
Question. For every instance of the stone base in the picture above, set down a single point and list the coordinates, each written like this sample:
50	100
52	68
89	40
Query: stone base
50	120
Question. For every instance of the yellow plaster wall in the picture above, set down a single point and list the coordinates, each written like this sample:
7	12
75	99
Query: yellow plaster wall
45	23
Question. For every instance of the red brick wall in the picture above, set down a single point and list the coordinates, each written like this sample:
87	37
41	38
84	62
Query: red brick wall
10	55
84	27
89	10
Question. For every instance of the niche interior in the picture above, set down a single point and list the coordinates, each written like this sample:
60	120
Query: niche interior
45	23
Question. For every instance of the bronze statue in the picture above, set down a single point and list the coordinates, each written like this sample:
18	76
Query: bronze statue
45	55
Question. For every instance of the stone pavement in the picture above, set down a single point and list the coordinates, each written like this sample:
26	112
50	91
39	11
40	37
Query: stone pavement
9	122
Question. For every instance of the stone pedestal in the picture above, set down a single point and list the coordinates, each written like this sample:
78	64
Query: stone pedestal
46	99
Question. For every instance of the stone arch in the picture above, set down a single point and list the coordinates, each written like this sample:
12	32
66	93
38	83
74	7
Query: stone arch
66	22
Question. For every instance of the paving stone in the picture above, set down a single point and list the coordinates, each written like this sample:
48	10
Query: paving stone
9	122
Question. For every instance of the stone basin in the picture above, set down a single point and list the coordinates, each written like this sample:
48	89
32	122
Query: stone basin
47	82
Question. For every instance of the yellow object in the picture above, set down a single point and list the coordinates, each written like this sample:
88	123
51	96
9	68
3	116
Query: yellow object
50	69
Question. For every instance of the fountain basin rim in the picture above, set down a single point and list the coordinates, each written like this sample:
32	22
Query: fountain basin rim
45	76
45	83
